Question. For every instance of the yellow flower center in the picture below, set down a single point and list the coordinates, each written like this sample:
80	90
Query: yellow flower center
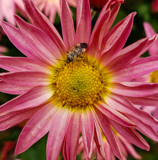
80	84
154	77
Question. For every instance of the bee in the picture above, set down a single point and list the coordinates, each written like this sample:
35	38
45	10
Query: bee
76	52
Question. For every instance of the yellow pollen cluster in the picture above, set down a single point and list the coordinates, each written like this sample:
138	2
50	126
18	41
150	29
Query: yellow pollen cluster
154	77
79	84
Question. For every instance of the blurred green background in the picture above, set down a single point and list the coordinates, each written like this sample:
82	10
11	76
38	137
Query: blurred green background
144	13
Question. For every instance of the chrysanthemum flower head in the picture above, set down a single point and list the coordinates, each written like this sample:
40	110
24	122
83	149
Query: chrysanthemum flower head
87	94
8	9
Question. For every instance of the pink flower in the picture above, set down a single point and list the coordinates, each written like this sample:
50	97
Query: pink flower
8	9
84	96
155	6
50	7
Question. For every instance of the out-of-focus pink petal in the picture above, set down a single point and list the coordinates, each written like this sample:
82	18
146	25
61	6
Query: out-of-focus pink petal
67	25
72	2
114	115
12	88
131	135
130	53
137	69
26	78
130	148
3	49
17	39
57	133
111	42
124	106
108	133
46	49
135	91
36	128
15	64
33	98
83	30
87	131
149	33
41	21
8	9
72	137
14	118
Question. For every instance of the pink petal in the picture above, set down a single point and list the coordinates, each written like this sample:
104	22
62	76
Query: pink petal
108	133
87	132
114	11
36	128
97	33
98	138
143	101
144	128
58	129
130	148
135	91
114	115
45	48
13	118
83	30
124	106
102	26
13	89
108	152
72	137
149	33
130	53
15	64
67	25
112	42
137	69
33	98
17	39
29	79
131	135
41	21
